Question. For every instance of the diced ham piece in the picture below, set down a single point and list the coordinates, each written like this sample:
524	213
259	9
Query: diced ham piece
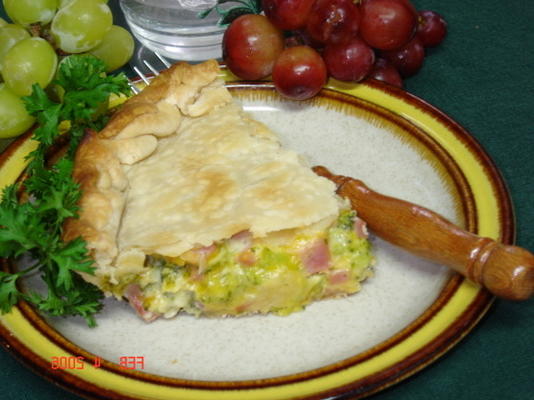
196	274
316	257
203	255
339	277
206	251
360	228
243	235
242	308
241	243
242	239
246	257
135	298
195	256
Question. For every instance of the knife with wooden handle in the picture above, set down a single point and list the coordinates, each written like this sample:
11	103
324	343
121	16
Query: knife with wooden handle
506	271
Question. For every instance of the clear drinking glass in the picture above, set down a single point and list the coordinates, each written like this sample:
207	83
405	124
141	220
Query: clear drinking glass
173	28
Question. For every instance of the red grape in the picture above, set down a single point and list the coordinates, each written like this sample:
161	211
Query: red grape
350	61
408	59
251	45
431	28
299	73
333	21
302	37
387	24
287	14
384	71
410	6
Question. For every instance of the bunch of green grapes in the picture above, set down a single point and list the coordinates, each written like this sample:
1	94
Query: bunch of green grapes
42	32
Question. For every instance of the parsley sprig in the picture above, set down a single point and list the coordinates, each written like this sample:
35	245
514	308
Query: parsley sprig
228	15
34	226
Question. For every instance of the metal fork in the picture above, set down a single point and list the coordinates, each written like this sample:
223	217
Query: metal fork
152	69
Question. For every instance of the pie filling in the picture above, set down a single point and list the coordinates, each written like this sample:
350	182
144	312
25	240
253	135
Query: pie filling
244	275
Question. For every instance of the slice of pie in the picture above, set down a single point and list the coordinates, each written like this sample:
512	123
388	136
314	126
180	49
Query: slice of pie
191	205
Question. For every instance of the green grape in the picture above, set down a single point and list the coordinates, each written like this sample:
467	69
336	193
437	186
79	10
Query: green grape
10	35
116	48
14	119
30	61
63	3
81	25
26	12
2	22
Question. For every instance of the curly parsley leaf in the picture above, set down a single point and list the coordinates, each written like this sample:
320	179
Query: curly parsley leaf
21	230
227	16
56	192
9	294
82	299
47	113
34	226
86	93
71	256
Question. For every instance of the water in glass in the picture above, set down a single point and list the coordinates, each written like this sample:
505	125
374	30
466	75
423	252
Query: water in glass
174	29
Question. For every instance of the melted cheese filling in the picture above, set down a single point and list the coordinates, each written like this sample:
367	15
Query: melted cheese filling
241	275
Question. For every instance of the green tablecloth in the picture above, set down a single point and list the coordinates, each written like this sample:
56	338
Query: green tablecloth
483	77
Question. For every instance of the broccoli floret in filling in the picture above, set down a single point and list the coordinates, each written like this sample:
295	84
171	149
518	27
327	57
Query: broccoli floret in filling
348	249
346	220
225	285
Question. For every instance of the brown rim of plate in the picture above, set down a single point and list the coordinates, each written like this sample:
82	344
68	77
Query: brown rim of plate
13	146
357	389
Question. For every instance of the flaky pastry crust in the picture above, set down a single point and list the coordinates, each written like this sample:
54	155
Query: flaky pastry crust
180	166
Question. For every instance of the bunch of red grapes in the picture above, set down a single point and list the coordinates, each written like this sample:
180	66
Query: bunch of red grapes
303	42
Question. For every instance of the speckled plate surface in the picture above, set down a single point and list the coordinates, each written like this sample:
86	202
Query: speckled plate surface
405	317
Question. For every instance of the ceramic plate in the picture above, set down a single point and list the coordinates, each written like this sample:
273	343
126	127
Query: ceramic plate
406	316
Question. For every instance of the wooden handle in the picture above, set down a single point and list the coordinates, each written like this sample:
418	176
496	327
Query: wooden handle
506	271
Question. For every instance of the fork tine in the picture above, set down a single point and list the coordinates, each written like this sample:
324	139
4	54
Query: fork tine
163	60
134	88
141	75
151	68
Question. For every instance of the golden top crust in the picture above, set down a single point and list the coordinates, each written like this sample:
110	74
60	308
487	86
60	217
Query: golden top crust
181	166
